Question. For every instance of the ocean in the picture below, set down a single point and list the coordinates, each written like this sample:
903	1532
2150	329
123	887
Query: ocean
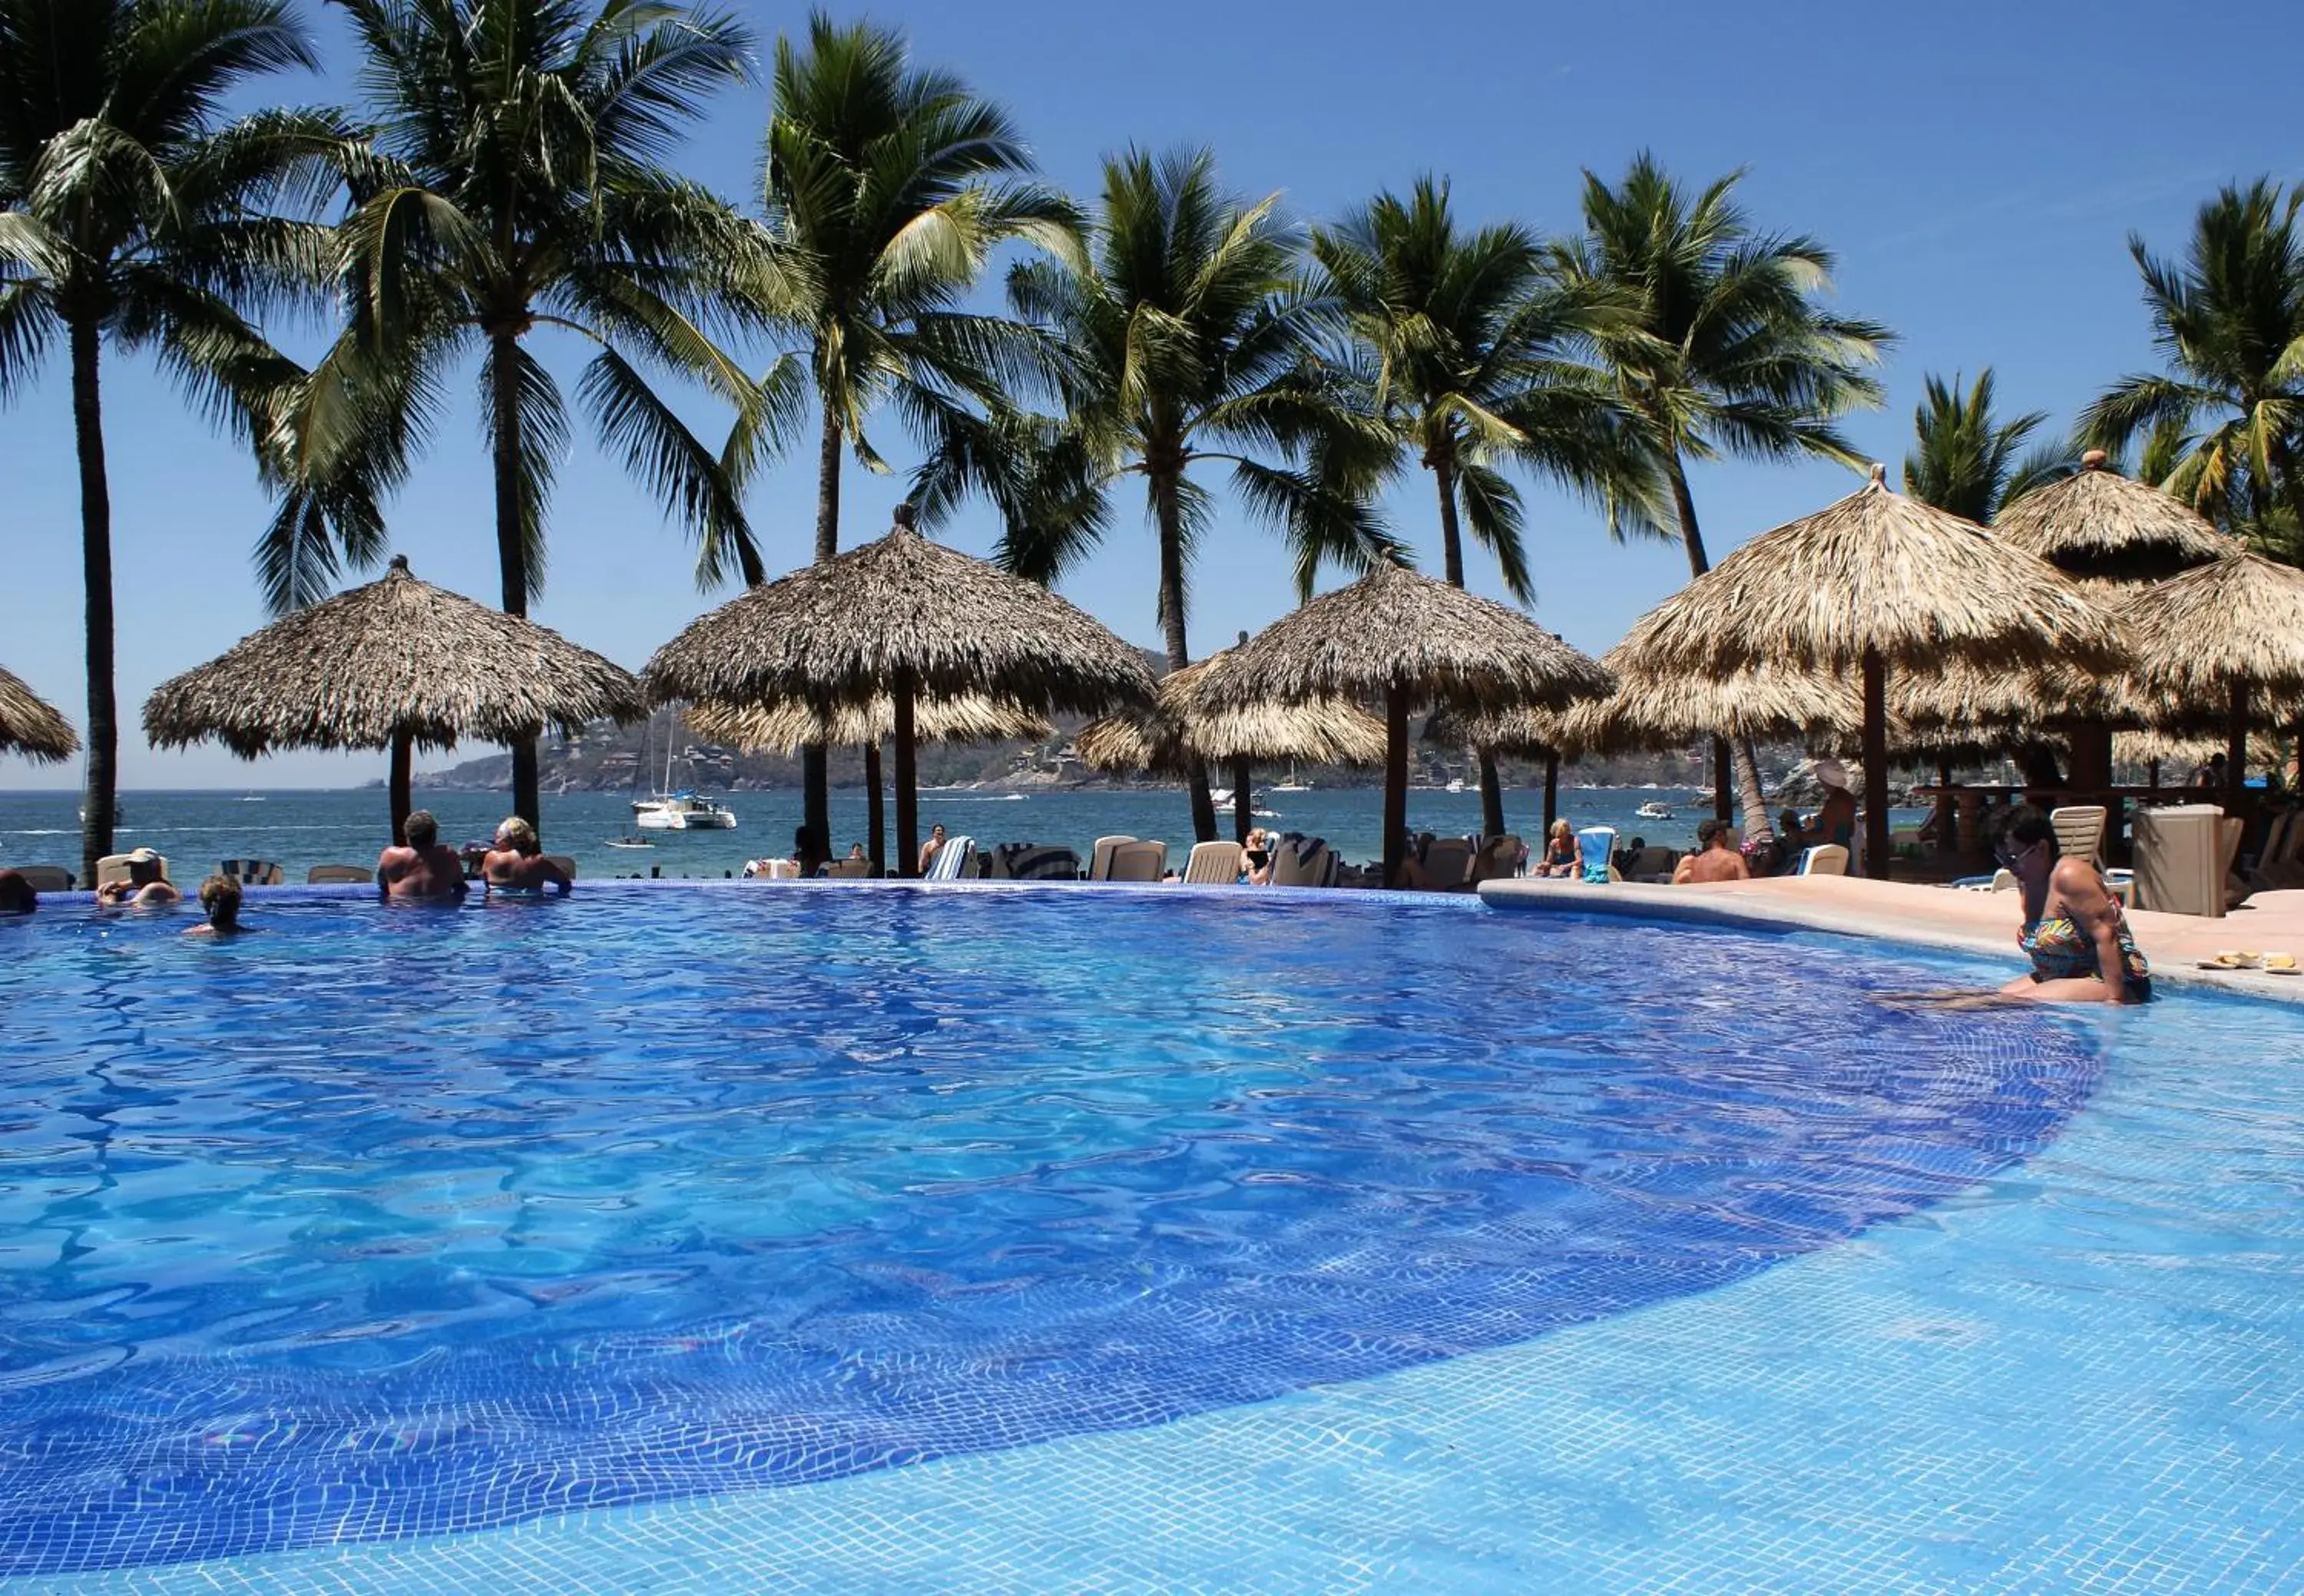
301	828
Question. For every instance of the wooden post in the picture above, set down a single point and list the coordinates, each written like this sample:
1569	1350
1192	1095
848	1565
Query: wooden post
2236	750
402	757
1243	802
1551	789
876	814
1947	826
1395	779
1875	766
1723	793
908	796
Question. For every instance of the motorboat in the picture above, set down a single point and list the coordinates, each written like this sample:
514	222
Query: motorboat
682	811
1653	810
630	842
1455	784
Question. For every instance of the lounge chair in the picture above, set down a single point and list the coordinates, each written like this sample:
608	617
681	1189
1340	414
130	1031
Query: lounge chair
1099	866
1031	862
954	861
251	872
2284	866
1448	864
1652	864
2278	833
779	870
343	874
1212	864
849	870
1301	861
2080	831
1137	861
114	866
45	878
1599	845
566	862
1825	859
1497	858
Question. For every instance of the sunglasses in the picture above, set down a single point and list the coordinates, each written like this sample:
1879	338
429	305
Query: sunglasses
2008	855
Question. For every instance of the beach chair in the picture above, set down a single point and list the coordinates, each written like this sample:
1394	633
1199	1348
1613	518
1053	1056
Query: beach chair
45	878
1099	864
251	872
1032	861
1599	845
1448	863
1651	863
1497	858
1137	861
2276	833
954	861
114	866
341	874
2285	867
566	862
849	870
1825	859
2079	830
1212	864
1300	861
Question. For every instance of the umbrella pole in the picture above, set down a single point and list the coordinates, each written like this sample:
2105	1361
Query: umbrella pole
1551	789
908	796
875	816
1492	796
1723	797
1875	766
2236	750
402	757
1242	804
1395	779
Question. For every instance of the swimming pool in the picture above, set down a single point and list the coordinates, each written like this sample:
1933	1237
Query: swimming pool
661	1222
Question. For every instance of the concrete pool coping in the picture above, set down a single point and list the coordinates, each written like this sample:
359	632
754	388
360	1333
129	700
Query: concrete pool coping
1974	922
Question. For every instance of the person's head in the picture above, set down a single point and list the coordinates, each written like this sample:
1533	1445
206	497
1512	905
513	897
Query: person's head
518	836
1561	831
145	867
1832	775
2027	844
1788	822
804	844
220	897
855	850
420	829
1709	833
16	894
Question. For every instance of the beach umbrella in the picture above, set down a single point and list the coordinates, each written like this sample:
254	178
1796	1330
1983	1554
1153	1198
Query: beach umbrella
2230	633
30	725
1525	733
1654	711
1412	642
1874	582
1174	730
787	727
900	618
398	664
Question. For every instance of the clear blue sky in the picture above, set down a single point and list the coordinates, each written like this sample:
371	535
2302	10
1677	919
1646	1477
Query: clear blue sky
1977	164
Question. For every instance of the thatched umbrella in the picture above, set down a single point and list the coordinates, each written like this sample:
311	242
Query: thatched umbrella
1873	582
788	727
1414	641
2227	633
898	618
1527	733
398	664
30	725
1176	729
1652	710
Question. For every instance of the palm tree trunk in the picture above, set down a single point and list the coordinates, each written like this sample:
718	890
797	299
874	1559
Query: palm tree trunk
1395	782
876	814
1172	625
1451	545
1738	749
815	767
100	801
512	552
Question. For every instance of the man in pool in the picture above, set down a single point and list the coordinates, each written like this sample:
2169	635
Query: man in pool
147	886
420	869
16	894
1713	861
515	862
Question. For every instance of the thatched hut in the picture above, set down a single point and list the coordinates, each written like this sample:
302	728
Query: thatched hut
1176	729
398	664
899	619
2228	632
1650	711
1413	642
1872	582
32	725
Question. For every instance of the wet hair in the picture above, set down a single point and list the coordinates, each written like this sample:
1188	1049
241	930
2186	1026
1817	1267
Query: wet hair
16	894
420	829
220	896
1708	831
519	836
2027	825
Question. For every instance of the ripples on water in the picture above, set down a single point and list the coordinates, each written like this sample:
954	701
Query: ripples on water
395	1220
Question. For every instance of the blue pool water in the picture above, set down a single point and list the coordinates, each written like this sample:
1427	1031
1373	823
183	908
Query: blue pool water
392	1223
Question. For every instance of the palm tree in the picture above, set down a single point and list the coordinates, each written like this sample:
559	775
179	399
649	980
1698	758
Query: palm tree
133	214
518	185
888	186
1726	350
1467	347
2230	321
1966	461
1186	336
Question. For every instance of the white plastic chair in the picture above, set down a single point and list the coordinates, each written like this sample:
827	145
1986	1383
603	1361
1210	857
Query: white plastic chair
1099	863
1825	859
1304	861
954	861
1448	863
2080	831
1136	862
343	874
1212	864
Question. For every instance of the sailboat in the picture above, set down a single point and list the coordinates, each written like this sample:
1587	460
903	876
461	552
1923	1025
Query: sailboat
1291	785
679	810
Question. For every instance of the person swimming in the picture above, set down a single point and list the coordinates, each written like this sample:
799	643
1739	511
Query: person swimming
220	897
2075	932
422	868
516	861
17	894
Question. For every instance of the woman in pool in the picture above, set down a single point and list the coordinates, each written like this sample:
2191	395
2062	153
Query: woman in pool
220	898
516	861
2080	947
1563	855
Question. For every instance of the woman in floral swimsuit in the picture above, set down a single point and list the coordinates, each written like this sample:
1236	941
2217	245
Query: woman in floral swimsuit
2081	949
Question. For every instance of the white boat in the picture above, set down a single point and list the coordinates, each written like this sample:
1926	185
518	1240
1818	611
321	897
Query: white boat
1291	785
682	811
1455	784
630	842
1220	796
1653	810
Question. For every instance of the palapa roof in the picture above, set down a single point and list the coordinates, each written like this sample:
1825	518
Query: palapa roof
1875	570
1178	727
1964	698
1652	710
32	725
2237	619
787	727
840	630
2102	524
395	657
1397	627
1521	732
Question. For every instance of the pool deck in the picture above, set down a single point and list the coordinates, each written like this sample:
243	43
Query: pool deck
1939	917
